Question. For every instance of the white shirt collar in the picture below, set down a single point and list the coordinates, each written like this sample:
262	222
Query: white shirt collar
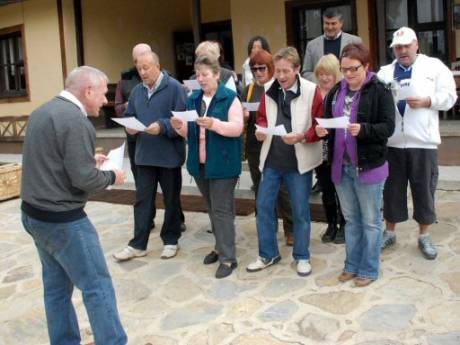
150	91
71	97
334	38
293	88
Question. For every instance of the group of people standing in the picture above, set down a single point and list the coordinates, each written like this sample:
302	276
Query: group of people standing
390	141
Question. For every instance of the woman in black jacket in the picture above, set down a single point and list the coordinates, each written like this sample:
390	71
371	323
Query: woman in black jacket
358	156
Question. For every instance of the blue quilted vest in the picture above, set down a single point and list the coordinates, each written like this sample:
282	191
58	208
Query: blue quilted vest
223	154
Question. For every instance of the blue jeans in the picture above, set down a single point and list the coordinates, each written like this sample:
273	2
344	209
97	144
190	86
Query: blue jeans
361	206
71	255
299	187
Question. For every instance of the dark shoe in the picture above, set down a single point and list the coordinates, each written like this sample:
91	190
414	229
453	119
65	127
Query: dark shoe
225	269
211	258
183	227
427	248
289	239
316	188
340	236
330	233
209	231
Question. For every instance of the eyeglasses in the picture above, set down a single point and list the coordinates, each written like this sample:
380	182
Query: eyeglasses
352	69
260	69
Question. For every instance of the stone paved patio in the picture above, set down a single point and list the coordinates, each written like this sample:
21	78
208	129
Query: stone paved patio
179	302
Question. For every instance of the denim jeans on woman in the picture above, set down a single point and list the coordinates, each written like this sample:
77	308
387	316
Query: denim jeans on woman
299	188
71	255
361	206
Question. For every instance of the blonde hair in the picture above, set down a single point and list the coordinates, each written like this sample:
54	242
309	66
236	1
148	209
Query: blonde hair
208	48
290	54
328	64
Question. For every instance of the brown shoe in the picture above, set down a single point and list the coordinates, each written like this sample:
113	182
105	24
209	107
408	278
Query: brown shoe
346	276
362	282
289	239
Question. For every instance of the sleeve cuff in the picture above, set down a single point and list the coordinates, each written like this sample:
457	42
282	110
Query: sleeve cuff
113	177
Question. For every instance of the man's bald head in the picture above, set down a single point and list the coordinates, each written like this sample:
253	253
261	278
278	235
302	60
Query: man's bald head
140	49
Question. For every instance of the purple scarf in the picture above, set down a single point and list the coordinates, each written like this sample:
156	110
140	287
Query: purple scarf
348	142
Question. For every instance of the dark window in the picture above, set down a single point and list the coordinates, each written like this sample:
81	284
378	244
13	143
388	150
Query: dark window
12	66
426	17
307	20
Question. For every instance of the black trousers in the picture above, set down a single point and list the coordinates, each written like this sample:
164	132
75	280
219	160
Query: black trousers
419	169
329	196
170	180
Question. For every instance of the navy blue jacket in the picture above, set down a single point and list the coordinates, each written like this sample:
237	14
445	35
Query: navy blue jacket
167	149
223	154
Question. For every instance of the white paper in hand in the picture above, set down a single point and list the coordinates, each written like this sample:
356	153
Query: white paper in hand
405	91
278	130
335	122
114	159
192	84
251	106
186	116
130	122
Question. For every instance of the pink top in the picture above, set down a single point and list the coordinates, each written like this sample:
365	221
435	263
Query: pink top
231	128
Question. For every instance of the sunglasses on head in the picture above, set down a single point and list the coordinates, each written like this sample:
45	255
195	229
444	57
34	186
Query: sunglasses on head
261	69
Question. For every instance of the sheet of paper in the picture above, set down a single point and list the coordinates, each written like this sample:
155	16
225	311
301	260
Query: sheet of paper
230	84
251	106
405	91
114	159
130	122
336	122
278	130
187	116
192	84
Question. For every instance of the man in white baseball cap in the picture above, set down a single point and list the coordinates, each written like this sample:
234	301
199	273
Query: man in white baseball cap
403	36
425	86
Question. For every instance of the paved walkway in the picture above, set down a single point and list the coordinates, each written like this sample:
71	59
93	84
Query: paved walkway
415	302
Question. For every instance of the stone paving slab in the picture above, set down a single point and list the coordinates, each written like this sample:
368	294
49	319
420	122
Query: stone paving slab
175	302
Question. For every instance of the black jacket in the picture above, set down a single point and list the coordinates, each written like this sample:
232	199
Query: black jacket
376	114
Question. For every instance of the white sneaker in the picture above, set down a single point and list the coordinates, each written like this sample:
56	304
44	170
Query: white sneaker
169	251
128	253
303	267
262	263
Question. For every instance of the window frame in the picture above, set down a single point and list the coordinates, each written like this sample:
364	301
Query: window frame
412	19
293	25
23	95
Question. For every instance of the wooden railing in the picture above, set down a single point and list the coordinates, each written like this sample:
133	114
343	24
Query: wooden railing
13	128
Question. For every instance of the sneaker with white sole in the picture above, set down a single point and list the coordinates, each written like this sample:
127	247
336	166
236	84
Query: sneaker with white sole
426	247
303	268
388	239
129	253
169	251
262	263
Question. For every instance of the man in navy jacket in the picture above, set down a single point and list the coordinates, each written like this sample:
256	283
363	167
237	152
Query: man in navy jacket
160	153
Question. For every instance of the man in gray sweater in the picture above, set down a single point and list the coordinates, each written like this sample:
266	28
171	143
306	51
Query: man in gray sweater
59	171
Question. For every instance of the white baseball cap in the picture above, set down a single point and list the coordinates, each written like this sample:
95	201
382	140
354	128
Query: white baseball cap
403	36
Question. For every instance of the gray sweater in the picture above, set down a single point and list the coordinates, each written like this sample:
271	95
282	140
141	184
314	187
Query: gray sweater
58	168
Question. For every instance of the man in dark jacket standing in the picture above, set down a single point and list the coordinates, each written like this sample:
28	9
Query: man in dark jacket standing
160	153
128	81
59	171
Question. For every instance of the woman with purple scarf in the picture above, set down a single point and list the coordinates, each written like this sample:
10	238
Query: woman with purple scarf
358	155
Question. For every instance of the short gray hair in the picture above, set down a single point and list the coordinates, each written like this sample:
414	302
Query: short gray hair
209	61
84	76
